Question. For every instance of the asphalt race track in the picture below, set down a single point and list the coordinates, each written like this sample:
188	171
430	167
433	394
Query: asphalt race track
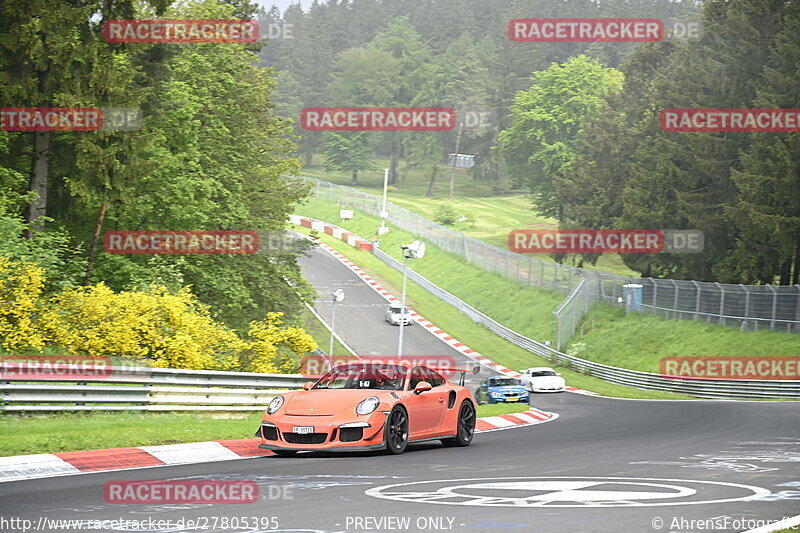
605	465
360	317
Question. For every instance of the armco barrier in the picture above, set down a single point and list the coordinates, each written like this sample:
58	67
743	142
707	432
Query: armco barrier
147	389
642	380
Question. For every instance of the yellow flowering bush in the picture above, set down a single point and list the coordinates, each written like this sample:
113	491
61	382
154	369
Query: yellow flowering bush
21	285
167	329
270	341
171	330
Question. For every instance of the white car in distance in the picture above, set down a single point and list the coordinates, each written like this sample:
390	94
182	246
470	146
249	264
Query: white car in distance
393	314
542	379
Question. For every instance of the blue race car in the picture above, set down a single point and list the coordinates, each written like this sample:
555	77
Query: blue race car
501	389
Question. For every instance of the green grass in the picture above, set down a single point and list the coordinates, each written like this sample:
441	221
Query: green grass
492	216
640	341
512	304
635	341
63	432
67	432
474	335
320	333
501	409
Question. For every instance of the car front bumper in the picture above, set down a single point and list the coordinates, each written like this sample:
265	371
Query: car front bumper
365	448
354	433
515	399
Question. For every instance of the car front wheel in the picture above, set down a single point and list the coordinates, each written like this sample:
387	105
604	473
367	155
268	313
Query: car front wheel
396	431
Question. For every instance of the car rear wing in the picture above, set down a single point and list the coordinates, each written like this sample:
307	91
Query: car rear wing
462	370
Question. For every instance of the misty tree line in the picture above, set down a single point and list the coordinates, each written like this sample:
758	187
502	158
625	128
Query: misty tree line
576	124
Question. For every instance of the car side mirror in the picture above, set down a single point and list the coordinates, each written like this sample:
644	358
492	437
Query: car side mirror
421	387
307	385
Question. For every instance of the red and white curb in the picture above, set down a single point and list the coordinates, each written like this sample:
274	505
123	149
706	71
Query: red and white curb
460	347
22	467
512	420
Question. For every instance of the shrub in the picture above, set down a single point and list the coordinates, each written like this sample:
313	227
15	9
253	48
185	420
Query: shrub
21	285
446	215
166	328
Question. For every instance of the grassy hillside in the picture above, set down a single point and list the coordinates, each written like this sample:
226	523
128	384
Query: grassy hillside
491	217
474	335
635	341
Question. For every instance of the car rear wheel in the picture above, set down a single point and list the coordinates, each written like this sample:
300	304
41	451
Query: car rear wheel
396	431
465	428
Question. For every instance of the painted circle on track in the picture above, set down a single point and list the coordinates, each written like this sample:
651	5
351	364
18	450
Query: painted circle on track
584	492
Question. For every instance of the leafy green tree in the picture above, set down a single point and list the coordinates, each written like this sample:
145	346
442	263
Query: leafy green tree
546	120
347	152
53	55
223	158
402	41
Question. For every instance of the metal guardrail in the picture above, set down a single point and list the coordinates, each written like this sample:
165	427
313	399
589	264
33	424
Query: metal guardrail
763	389
146	389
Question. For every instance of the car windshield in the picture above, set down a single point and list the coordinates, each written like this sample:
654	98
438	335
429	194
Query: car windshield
542	373
397	309
382	377
500	382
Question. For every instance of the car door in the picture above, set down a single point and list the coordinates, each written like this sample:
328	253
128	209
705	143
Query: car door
439	393
425	409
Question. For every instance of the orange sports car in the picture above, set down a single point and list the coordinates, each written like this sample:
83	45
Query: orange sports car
368	405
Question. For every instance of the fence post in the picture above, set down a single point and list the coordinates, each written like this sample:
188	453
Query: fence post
697	300
655	292
530	268
558	333
746	306
588	293
721	303
574	317
774	307
676	287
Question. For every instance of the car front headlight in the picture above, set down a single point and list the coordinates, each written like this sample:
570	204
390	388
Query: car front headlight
275	404
367	406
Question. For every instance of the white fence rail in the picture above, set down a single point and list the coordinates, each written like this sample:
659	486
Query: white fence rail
146	389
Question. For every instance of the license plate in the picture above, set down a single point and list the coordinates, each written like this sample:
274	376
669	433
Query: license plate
512	399
303	430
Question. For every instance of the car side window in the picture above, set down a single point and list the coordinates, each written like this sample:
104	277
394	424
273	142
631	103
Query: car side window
417	375
434	378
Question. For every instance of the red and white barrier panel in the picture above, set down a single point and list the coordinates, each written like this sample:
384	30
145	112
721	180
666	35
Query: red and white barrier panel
334	231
